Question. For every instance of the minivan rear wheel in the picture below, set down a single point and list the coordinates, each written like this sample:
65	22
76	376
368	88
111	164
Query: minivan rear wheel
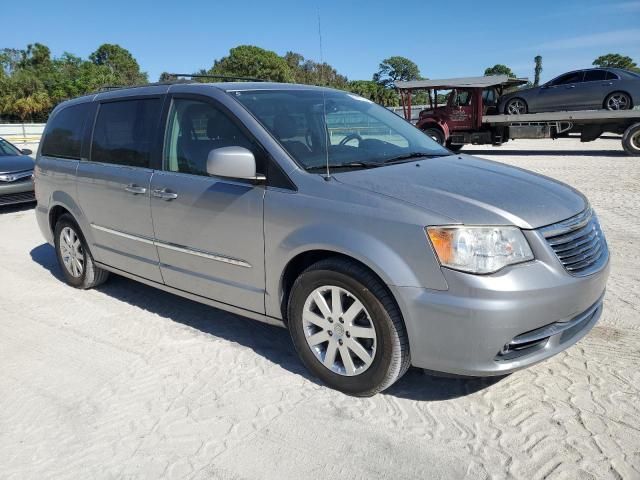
74	257
347	328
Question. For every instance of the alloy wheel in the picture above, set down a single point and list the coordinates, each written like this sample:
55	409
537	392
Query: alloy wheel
516	107
71	252
339	330
618	101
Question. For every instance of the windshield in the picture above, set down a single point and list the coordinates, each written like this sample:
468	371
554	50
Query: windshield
6	149
347	130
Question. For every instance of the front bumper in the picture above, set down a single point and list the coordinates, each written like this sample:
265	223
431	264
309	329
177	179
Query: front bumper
16	192
467	329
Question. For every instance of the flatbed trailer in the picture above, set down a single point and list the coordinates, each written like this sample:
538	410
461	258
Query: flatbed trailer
470	117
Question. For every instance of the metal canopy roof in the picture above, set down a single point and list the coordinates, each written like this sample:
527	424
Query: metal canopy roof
468	82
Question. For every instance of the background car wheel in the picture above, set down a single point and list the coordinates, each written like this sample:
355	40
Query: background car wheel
516	106
74	257
436	134
631	140
454	147
347	328
618	101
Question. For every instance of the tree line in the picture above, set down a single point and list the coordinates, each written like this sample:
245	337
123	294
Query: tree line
32	81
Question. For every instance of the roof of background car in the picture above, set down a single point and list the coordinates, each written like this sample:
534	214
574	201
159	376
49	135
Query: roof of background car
465	82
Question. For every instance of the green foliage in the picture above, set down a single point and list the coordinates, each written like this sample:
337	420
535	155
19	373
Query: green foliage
615	60
313	73
374	91
254	62
537	70
499	69
395	69
32	82
120	63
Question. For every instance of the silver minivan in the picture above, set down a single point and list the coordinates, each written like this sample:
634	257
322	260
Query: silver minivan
321	211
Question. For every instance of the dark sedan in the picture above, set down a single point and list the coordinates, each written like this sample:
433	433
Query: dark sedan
16	174
592	89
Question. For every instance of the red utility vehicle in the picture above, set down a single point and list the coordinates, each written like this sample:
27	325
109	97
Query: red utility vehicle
469	115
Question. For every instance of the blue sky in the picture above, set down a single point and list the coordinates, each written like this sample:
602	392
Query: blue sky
445	39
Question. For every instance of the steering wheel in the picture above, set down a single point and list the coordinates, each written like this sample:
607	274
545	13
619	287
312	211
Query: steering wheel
351	136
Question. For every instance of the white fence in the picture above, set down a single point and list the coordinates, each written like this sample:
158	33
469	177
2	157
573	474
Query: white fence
22	135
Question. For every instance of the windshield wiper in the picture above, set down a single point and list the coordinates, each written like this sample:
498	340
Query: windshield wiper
412	155
345	165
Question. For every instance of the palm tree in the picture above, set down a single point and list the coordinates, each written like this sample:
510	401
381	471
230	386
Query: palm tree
538	70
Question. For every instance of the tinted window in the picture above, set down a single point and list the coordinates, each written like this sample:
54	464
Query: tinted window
612	76
125	131
194	129
595	75
574	77
64	132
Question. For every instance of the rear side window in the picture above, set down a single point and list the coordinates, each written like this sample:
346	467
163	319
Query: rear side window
125	131
612	76
595	75
64	132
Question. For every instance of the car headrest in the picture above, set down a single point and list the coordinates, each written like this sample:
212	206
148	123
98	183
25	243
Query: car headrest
219	126
284	126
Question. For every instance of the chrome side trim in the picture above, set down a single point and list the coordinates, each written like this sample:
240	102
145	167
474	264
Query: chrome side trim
174	247
201	253
118	233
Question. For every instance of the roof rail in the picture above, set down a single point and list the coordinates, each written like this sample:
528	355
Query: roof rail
218	77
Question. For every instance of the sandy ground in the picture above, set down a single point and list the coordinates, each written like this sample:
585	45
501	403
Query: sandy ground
129	382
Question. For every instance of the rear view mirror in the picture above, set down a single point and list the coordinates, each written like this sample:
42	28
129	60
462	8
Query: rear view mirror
233	162
26	151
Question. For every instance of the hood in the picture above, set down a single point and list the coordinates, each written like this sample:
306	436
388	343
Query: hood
15	163
473	191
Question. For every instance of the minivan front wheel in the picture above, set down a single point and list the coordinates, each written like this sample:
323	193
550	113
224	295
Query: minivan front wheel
74	257
347	328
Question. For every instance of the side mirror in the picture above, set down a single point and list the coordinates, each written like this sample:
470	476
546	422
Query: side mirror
233	162
26	151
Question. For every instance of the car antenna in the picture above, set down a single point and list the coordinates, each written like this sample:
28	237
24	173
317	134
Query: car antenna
327	176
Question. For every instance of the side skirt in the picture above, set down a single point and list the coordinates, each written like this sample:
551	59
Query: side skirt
197	298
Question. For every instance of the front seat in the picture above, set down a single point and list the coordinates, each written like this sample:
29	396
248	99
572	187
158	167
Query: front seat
284	128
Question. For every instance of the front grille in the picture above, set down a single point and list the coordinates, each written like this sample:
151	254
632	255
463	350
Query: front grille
578	243
21	197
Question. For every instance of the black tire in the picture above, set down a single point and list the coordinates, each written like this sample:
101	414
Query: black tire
91	275
436	134
454	147
524	108
623	101
631	140
391	359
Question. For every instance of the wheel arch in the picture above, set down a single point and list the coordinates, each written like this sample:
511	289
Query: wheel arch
302	260
437	124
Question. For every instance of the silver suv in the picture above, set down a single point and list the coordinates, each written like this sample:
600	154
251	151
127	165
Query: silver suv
323	212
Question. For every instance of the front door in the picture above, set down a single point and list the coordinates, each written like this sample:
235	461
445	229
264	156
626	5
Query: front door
208	230
563	93
113	185
460	110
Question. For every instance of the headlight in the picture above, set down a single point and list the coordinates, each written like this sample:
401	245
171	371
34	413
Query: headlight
479	249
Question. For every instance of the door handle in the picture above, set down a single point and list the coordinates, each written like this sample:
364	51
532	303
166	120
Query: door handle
135	189
164	194
571	86
607	84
